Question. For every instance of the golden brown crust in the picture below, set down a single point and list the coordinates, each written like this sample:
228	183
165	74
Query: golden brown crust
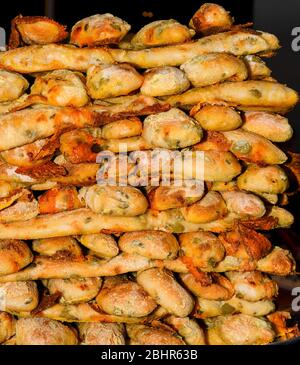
102	333
14	256
122	297
252	285
254	148
79	146
211	18
114	109
28	125
277	262
216	117
210	208
32	154
82	174
12	196
172	129
264	223
243	204
161	33
74	290
213	68
272	126
168	197
46	301
7	326
283	331
213	141
99	29
219	165
64	265
123	128
58	200
22	296
25	208
109	81
147	335
152	244
203	248
34	58
211	286
35	30
162	81
101	244
161	285
239	329
188	328
51	246
244	95
214	308
122	201
12	87
245	242
237	42
61	88
45	171
84	312
264	179
218	140
44	331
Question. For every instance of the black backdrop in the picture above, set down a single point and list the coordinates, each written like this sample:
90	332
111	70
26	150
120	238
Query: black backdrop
280	17
68	12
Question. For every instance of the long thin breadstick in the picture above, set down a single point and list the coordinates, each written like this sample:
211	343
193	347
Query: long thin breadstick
277	262
52	56
80	221
45	267
244	95
84	221
240	42
83	312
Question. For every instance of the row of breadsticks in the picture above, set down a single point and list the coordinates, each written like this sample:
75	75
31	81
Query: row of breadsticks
139	287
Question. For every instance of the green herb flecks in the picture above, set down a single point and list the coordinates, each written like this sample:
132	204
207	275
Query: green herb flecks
256	93
243	147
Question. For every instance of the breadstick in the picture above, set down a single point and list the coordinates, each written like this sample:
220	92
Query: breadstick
236	42
52	57
244	95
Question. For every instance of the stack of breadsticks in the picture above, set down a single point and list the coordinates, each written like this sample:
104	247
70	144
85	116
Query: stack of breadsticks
82	262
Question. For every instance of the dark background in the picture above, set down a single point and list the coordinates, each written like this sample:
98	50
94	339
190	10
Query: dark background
68	12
